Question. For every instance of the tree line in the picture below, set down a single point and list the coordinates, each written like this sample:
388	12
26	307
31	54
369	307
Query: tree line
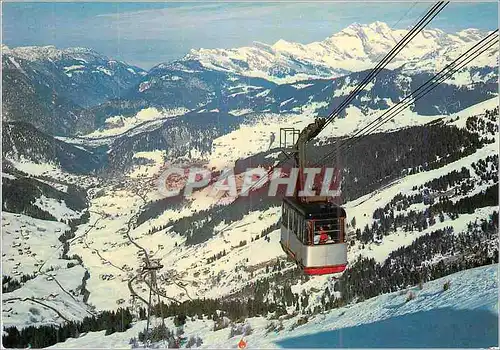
485	124
386	221
10	284
47	335
19	196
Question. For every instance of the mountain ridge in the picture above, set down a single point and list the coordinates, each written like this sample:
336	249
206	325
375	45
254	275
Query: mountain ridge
53	88
356	47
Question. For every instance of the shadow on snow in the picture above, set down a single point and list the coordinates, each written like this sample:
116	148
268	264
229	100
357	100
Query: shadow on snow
438	328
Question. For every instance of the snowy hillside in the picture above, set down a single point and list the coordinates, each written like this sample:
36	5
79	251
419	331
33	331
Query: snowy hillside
111	245
24	142
50	292
355	48
82	66
201	89
463	316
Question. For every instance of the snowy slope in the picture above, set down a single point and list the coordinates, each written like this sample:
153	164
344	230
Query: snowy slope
465	315
28	242
44	169
30	247
51	298
58	209
256	136
143	120
367	204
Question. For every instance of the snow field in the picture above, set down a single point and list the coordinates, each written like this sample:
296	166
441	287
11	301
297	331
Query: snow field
465	315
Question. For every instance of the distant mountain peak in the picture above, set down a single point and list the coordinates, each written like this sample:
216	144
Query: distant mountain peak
281	42
377	26
50	52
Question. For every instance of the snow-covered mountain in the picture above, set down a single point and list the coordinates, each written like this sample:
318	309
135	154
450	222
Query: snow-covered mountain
75	90
357	47
190	86
206	96
51	88
289	77
81	74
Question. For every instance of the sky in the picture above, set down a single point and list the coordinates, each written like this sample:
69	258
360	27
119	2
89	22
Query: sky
146	34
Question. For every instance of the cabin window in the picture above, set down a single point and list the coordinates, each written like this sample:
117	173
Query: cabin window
309	231
284	216
328	231
294	221
305	232
300	228
297	221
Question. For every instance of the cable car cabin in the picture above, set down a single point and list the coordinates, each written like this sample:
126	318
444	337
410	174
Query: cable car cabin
313	234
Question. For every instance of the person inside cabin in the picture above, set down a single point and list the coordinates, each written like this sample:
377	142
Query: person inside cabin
319	235
316	237
327	230
323	237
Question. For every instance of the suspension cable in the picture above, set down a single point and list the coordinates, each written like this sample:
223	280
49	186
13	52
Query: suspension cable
460	62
